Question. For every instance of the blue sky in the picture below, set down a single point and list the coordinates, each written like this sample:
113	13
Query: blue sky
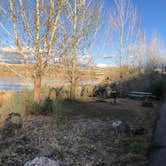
153	16
153	13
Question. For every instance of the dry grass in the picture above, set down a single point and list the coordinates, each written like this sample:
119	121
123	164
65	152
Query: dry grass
80	133
4	95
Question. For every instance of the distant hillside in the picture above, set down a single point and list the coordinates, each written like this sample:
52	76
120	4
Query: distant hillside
88	73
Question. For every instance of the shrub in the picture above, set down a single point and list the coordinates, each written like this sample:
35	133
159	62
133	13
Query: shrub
34	108
50	106
99	91
158	88
16	101
86	91
57	106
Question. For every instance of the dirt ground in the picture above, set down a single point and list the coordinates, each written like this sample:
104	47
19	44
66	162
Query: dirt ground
81	134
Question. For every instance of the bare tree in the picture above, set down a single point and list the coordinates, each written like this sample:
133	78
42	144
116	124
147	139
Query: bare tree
137	50
34	26
80	25
123	22
141	48
155	53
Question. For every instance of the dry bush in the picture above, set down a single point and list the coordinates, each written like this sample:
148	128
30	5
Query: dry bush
4	95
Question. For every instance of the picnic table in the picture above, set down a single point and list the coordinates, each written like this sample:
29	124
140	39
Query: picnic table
140	95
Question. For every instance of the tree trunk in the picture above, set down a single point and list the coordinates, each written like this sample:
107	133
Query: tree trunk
120	63
73	81
72	90
73	67
37	89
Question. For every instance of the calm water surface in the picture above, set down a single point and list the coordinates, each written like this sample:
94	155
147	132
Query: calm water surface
15	87
17	84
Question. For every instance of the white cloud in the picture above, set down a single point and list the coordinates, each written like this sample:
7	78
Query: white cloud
10	55
105	56
102	65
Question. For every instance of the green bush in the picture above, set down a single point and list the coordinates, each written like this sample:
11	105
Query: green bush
158	88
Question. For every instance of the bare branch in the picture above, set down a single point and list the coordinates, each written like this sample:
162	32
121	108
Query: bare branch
17	41
52	34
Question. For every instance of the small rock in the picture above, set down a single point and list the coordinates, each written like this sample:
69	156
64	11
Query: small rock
15	119
12	123
42	161
120	127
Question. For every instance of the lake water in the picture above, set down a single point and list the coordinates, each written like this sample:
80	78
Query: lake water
17	84
15	87
12	80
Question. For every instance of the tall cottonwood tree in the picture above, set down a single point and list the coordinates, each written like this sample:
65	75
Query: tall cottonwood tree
155	53
34	26
123	22
137	50
141	48
80	23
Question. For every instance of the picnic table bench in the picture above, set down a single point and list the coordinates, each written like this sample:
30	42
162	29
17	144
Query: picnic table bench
140	95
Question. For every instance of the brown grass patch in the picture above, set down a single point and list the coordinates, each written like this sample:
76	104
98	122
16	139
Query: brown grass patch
4	95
